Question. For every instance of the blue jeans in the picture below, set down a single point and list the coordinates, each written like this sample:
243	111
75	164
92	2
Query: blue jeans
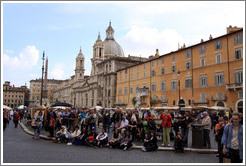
185	133
37	132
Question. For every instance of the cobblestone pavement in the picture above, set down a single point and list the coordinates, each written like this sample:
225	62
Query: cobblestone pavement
19	147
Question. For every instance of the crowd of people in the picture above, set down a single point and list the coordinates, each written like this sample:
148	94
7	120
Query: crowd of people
81	127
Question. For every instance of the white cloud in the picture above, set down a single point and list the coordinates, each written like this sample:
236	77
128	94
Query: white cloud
9	51
58	71
26	59
144	41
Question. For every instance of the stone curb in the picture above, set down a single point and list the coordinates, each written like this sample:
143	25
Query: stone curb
133	147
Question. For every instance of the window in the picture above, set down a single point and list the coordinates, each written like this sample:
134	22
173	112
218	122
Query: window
174	85
219	79
163	86
131	90
153	63
131	77
203	95
137	76
173	58
157	62
238	53
125	71
188	83
125	91
188	53
218	58
238	77
162	60
218	44
188	65
240	94
144	74
153	87
125	77
202	49
137	68
137	87
220	95
202	61
144	66
120	92
153	73
173	102
163	98
163	70
203	81
238	38
131	69
189	102
173	68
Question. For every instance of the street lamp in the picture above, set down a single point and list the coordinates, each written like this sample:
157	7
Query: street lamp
179	90
42	81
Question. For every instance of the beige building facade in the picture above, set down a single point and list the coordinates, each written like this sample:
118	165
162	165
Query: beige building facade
209	73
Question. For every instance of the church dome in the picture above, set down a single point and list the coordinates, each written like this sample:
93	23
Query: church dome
111	47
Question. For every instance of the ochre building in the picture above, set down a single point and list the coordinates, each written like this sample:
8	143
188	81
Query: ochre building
209	73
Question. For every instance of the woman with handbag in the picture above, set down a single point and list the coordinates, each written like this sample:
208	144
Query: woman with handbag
232	140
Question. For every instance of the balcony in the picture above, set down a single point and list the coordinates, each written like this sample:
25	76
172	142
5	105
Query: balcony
218	98
120	104
142	91
235	86
200	101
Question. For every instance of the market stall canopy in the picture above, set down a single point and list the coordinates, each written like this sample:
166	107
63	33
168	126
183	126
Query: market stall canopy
60	107
21	107
219	108
6	107
61	104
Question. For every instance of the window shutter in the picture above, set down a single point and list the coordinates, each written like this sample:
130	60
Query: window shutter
236	77
216	80
200	50
220	43
240	38
222	79
215	45
235	39
200	82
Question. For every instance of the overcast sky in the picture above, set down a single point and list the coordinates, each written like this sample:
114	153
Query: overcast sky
60	29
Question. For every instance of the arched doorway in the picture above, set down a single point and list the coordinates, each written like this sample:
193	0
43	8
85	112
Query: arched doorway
181	103
240	106
221	104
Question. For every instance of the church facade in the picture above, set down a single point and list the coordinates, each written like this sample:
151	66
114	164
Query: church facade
100	87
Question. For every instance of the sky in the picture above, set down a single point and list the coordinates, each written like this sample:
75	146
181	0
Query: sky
141	27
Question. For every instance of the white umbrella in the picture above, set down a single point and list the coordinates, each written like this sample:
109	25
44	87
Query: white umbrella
6	107
60	107
219	108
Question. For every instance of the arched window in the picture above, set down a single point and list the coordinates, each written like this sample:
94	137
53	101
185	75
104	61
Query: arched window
221	104
240	106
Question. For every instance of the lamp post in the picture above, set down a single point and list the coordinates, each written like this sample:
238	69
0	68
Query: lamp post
179	90
42	81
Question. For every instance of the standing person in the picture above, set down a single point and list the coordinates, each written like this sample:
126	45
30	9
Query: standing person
65	117
219	129
6	117
58	123
185	126
52	126
16	118
38	128
124	124
232	140
206	127
82	116
106	120
166	125
71	120
176	117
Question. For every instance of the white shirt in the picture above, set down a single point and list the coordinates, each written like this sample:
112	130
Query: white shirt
124	123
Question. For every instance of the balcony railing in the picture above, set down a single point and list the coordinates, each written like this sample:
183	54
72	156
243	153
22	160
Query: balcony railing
234	86
200	101
218	98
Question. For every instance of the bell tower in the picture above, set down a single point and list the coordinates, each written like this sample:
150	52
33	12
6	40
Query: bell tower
79	69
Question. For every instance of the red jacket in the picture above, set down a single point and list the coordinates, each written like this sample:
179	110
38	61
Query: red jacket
16	117
166	120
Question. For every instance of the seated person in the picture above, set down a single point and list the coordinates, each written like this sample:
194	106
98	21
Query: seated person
101	139
179	143
74	137
91	139
124	124
61	135
115	141
150	144
126	141
83	136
